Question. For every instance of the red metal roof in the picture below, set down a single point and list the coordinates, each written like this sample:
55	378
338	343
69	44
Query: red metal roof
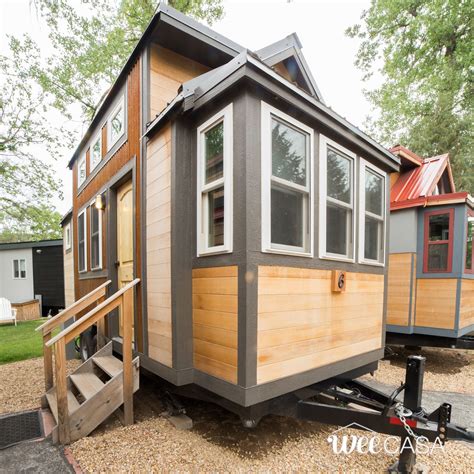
415	185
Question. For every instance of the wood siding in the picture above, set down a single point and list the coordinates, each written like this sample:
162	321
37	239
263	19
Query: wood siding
168	70
215	294
436	303
68	279
466	310
401	288
158	247
302	325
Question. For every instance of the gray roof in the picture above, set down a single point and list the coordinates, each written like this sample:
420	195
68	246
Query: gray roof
27	245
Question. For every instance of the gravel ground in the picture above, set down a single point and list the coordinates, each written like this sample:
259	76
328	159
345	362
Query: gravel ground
447	370
22	384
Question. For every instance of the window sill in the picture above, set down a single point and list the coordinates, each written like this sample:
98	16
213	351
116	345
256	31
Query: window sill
337	258
292	253
207	253
373	263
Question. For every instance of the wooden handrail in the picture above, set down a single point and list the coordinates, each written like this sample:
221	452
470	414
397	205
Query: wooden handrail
75	308
123	299
86	321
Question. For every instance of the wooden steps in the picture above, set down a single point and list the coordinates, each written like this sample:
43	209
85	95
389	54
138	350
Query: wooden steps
95	391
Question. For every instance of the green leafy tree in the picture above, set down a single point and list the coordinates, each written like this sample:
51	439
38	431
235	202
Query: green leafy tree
425	50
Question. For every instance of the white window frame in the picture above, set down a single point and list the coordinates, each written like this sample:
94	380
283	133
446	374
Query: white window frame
203	189
97	138
120	104
83	212
324	143
81	162
19	277
364	164
267	111
92	206
67	236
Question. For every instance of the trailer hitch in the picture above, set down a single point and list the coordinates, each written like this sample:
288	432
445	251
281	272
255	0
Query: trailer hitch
386	415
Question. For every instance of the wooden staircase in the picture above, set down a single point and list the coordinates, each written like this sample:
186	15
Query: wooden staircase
83	400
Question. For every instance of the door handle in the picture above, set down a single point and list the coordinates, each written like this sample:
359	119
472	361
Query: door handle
117	263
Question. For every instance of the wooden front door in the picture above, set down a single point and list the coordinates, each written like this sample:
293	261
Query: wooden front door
125	252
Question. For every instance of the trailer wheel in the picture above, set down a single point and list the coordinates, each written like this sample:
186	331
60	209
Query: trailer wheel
88	345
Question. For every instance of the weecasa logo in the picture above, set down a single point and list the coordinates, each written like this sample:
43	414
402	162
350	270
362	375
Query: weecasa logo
373	443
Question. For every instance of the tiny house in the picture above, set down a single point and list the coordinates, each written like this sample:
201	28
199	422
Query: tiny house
255	217
431	268
31	277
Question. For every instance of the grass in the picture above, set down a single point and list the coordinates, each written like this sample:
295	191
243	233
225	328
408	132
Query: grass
21	342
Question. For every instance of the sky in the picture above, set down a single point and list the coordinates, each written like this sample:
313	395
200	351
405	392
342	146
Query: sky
320	25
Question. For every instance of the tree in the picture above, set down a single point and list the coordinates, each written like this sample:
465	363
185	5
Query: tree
426	100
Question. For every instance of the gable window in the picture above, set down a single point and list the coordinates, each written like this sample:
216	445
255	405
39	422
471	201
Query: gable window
96	150
470	234
372	214
81	241
214	178
438	240
336	239
116	124
96	238
287	196
67	236
81	171
19	269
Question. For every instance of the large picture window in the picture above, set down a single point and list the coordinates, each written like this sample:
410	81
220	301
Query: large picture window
372	214
96	238
287	202
19	269
337	230
438	237
214	175
469	263
81	241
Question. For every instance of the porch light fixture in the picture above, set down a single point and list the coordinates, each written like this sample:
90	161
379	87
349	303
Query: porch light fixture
100	202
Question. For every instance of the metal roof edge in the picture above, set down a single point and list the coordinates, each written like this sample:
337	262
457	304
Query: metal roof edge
31	244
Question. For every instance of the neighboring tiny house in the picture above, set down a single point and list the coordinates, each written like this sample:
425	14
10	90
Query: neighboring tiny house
31	271
431	268
220	178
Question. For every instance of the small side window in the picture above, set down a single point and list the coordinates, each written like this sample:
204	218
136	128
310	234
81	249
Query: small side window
116	124
81	241
81	171
470	234
96	238
67	236
96	150
438	237
19	269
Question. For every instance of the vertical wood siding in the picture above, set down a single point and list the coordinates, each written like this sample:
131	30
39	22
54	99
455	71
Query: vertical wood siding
467	303
401	288
436	302
303	325
215	294
168	70
69	297
158	247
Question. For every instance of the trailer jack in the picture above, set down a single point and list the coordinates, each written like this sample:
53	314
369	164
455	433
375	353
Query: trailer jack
359	406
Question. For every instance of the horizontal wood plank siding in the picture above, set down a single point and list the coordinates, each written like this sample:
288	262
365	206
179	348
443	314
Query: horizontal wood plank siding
168	70
466	308
303	325
68	279
215	293
400	288
158	247
436	302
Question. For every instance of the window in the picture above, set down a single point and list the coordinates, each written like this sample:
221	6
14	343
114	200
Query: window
372	214
96	238
116	124
67	236
337	229
438	249
19	269
96	150
81	171
287	182
81	241
470	233
214	175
